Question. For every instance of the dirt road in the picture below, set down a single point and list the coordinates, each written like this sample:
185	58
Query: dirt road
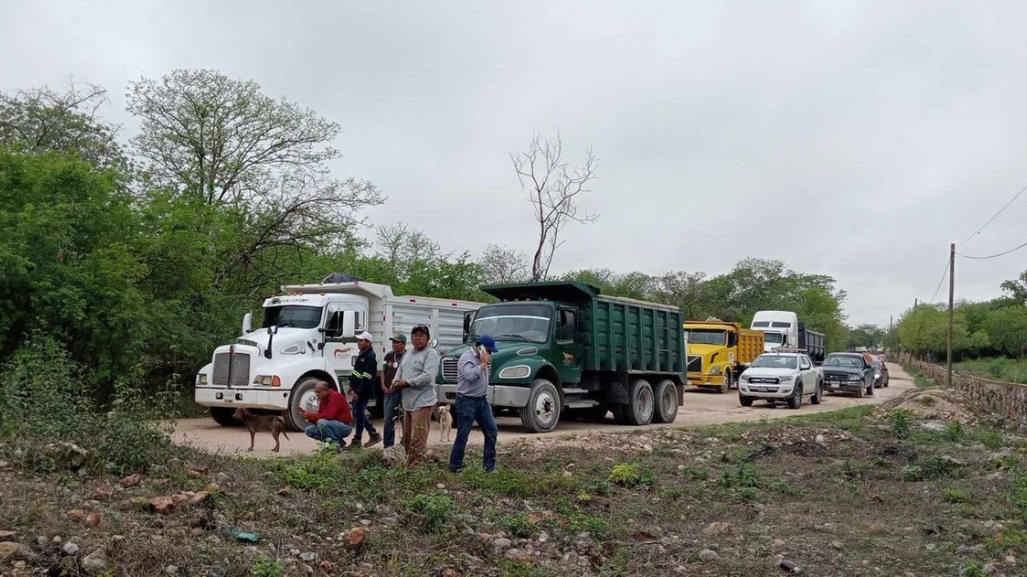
700	408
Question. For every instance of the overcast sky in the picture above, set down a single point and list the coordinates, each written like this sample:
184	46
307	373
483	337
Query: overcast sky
855	139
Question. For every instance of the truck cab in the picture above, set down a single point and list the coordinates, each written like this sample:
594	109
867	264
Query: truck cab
780	329
719	351
563	347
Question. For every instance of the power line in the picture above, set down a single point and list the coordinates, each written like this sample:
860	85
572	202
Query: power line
944	273
1003	253
994	216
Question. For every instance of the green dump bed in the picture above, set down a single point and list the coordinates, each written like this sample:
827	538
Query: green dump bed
634	336
615	334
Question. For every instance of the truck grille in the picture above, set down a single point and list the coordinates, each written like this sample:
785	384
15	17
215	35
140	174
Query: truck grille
694	363
449	369
240	363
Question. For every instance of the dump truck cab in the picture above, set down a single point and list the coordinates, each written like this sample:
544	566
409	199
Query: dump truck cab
719	351
563	347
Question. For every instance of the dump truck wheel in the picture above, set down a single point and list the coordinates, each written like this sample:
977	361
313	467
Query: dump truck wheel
303	390
223	416
542	412
666	409
726	387
641	403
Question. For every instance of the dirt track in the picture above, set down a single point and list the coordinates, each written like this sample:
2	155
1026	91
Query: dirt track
700	408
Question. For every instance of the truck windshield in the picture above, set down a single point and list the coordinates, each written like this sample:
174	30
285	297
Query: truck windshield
776	362
843	361
707	337
773	338
513	322
299	316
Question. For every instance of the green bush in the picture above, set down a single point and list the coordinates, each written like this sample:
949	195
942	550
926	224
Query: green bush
519	525
597	527
631	475
266	567
503	481
434	511
323	471
954	431
911	473
972	569
745	476
900	420
956	496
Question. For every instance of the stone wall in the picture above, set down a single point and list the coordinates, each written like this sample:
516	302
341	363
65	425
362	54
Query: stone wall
1006	400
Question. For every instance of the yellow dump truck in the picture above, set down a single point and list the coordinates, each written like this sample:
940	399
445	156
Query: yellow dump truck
719	351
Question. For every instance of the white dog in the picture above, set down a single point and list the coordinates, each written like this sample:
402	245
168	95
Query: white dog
445	422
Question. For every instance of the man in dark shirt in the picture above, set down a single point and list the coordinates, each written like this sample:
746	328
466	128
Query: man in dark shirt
362	382
333	419
392	399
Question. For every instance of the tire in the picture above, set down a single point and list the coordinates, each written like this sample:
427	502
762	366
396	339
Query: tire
861	393
641	404
294	418
542	412
818	395
745	400
223	416
886	379
870	390
728	382
795	401
666	402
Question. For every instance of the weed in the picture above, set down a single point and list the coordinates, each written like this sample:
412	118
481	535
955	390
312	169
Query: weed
954	431
597	527
786	488
434	510
503	481
900	420
322	471
956	496
672	493
855	469
631	475
972	569
911	473
509	568
695	473
266	567
1008	539
744	476
519	525
601	487
1007	463
990	438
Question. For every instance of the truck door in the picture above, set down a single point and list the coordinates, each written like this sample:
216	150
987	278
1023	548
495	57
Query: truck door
568	361
809	376
340	344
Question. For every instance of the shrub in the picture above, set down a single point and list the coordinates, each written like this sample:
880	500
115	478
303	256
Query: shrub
40	392
912	473
900	423
631	475
972	569
597	527
434	511
695	473
744	476
956	496
266	567
322	471
954	431
519	525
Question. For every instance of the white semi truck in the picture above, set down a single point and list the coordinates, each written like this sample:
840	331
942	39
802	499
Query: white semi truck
782	329
307	335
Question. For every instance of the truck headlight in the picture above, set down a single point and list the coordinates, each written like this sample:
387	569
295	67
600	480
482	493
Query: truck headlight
716	370
855	378
515	372
201	379
743	379
268	380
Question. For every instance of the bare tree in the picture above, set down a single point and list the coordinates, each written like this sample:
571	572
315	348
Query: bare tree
503	265
553	185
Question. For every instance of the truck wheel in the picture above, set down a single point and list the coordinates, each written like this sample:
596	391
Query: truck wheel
870	389
728	382
666	409
745	400
542	412
223	416
795	401
861	392
818	395
301	393
641	403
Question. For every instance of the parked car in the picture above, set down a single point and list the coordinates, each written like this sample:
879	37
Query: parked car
781	376
849	373
880	372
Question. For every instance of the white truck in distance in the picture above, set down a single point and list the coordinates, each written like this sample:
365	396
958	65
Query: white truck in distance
307	335
782	329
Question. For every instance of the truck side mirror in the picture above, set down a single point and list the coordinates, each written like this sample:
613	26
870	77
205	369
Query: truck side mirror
468	319
247	323
349	323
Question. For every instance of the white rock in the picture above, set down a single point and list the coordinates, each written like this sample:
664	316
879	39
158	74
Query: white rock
708	555
70	548
96	562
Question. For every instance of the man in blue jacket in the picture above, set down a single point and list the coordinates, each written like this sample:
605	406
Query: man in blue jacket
472	405
362	386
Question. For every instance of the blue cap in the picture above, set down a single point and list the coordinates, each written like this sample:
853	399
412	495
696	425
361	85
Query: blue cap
488	342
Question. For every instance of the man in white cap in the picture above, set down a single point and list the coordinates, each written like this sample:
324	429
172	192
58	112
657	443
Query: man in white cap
362	386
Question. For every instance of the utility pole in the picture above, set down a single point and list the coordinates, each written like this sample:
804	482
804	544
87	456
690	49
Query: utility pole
952	293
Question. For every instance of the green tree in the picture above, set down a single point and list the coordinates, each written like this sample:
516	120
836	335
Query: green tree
1007	329
1017	288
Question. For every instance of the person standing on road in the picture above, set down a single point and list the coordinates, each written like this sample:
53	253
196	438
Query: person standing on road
392	399
333	420
416	379
362	386
472	405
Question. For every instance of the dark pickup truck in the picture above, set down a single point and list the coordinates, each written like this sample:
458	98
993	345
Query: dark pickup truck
849	373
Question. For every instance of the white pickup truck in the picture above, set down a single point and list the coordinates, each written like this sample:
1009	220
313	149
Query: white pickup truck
782	376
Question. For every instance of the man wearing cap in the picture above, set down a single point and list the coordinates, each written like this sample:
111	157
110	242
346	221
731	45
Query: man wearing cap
416	379
472	405
392	399
362	386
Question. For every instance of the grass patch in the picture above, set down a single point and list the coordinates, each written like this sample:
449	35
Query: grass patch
597	527
433	512
519	526
267	567
956	496
631	476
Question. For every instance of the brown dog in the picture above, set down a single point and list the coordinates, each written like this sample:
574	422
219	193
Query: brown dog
255	423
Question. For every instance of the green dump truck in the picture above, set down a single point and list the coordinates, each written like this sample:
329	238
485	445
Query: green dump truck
564	347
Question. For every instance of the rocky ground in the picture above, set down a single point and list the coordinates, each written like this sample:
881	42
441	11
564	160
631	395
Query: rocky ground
861	492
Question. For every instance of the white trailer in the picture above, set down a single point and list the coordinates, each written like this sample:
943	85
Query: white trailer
309	334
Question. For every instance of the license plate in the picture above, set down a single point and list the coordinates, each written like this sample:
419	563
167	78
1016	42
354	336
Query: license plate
834	385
